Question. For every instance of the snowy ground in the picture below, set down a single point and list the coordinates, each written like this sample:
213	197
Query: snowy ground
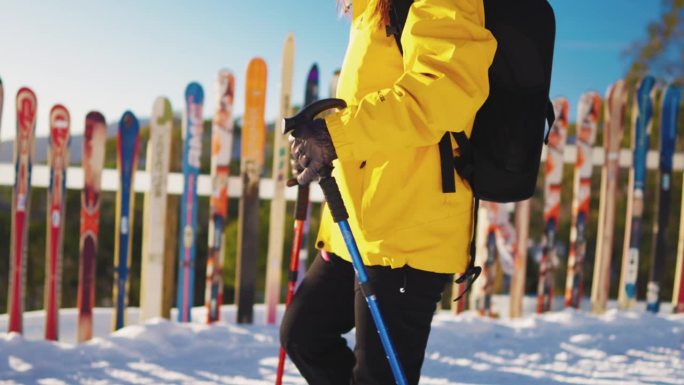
564	347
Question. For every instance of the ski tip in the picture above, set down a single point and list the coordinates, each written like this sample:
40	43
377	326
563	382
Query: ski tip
95	128
59	108
646	85
589	107
161	110
95	116
561	107
289	46
128	120
256	64
225	73
225	85
590	96
673	93
195	91
313	73
257	76
668	128
616	93
561	100
25	92
59	117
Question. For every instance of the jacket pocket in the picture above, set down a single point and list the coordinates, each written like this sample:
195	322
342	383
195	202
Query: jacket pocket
404	190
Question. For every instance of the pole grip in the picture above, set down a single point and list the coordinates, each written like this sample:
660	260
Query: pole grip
308	113
334	198
302	203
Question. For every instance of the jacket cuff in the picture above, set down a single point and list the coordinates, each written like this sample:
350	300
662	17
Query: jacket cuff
342	143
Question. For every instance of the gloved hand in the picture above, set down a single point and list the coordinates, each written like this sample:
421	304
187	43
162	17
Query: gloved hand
311	149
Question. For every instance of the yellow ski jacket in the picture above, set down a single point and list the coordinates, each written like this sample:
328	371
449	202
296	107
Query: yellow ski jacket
386	140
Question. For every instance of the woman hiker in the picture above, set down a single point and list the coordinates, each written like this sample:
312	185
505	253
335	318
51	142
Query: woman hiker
411	235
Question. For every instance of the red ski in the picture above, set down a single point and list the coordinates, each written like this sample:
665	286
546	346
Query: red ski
552	204
58	161
94	140
21	204
221	154
588	112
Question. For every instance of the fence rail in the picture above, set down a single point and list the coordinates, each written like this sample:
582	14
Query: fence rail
41	178
110	182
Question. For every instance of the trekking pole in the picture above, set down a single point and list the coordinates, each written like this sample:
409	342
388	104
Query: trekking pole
301	206
339	213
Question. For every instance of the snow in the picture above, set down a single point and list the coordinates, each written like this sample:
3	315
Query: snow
563	347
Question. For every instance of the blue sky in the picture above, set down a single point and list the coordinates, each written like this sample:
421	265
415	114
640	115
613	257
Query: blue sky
116	55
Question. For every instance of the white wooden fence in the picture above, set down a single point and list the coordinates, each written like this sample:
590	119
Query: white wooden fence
110	182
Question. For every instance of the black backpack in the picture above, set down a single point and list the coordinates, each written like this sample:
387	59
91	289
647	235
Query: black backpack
501	158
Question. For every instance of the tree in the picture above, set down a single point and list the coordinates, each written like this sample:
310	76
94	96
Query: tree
662	51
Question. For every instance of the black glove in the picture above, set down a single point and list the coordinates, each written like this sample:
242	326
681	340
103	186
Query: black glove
311	149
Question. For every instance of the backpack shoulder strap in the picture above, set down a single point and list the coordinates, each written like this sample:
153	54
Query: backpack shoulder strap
398	13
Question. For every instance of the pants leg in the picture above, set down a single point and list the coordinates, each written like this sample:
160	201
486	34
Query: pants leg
407	299
321	311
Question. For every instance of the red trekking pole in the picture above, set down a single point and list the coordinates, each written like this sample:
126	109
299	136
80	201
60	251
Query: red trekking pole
301	206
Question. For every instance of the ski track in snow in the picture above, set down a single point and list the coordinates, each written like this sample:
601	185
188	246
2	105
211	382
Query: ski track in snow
563	347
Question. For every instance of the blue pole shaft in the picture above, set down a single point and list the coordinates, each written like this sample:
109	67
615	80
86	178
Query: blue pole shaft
360	269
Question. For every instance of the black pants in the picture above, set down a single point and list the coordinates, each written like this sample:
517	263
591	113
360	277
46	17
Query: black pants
329	303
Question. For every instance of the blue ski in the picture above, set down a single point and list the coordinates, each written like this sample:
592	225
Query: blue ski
127	162
192	151
641	130
668	135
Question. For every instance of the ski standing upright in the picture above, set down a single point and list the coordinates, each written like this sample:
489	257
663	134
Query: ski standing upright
310	96
678	291
192	152
221	153
94	144
252	161
522	231
334	81
552	205
588	111
668	135
613	121
276	233
127	161
24	151
497	239
58	161
642	122
154	215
